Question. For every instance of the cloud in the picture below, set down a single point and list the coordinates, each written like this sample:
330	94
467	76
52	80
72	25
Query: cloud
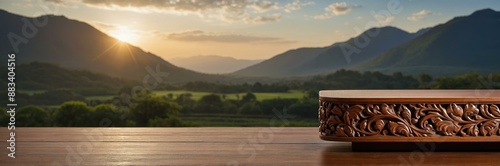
264	19
295	5
226	10
419	15
336	9
340	8
322	16
59	2
264	6
104	26
384	20
63	3
203	36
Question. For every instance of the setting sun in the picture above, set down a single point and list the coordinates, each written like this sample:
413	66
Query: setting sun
124	35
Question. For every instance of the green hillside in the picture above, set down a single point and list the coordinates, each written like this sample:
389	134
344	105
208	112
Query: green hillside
463	44
44	76
77	45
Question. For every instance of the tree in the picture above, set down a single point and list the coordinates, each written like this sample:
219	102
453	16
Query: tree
170	96
470	80
186	102
268	105
257	87
152	107
4	118
211	103
230	106
312	94
105	115
165	122
249	97
251	108
305	109
424	81
72	114
32	116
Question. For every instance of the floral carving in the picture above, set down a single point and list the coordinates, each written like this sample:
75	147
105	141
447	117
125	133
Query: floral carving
409	120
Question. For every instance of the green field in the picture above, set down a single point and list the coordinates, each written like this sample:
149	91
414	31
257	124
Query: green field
31	92
233	120
198	95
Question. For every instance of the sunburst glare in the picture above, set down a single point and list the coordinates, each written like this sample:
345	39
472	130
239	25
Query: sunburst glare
124	34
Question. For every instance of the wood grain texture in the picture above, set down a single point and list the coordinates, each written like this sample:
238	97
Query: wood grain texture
480	121
410	115
208	146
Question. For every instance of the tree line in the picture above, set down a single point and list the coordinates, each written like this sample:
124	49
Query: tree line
149	110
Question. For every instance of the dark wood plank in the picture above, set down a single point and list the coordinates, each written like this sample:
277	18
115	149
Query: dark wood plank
426	146
208	146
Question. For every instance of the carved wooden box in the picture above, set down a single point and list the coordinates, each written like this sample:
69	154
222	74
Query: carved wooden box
392	119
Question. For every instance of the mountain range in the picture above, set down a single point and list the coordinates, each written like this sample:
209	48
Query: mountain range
212	63
460	45
463	44
78	45
323	60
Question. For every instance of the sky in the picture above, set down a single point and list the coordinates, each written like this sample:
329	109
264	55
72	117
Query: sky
245	29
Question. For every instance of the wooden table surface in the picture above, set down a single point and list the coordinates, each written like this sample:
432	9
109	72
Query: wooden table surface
208	146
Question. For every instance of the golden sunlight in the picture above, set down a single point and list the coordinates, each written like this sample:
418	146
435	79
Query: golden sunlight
123	34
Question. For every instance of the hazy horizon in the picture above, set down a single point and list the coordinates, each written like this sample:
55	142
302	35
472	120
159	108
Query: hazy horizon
248	30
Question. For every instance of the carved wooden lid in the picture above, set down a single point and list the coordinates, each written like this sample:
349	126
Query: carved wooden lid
411	96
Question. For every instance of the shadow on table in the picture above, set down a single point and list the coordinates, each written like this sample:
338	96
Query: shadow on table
343	155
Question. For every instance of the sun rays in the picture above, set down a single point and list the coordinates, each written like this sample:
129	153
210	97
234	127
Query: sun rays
122	49
124	34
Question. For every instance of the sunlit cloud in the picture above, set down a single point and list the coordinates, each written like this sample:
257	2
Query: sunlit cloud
384	20
203	36
120	32
335	9
419	15
264	6
104	26
63	3
225	10
296	5
264	19
55	1
340	8
322	16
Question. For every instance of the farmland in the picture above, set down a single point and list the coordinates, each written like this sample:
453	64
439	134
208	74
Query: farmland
235	96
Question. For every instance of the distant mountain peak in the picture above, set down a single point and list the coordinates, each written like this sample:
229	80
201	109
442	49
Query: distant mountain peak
56	16
487	10
213	63
388	28
78	45
312	61
3	11
485	13
385	30
422	31
463	44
